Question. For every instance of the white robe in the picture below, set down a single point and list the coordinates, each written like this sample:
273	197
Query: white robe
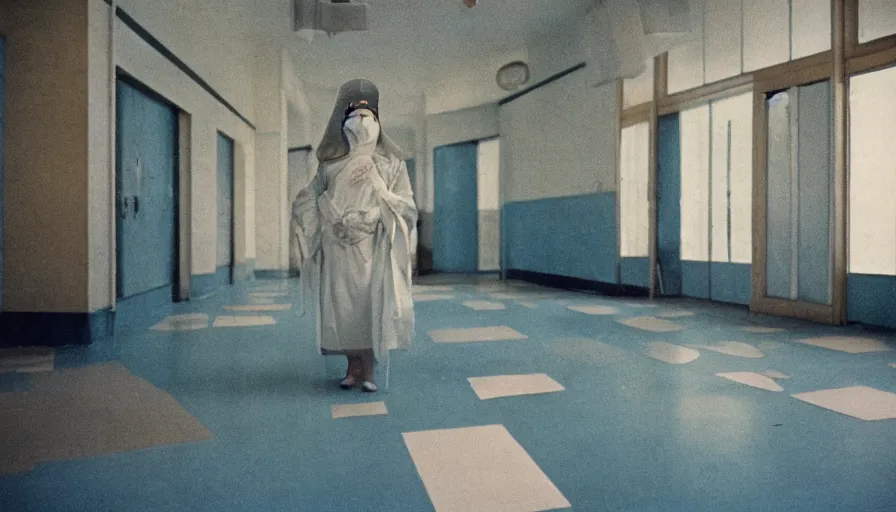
353	245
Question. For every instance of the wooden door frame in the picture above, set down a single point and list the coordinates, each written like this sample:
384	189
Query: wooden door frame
232	235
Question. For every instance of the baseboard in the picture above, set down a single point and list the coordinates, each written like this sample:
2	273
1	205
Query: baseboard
203	285
574	283
47	329
276	275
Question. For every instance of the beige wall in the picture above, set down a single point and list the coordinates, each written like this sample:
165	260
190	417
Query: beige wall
46	156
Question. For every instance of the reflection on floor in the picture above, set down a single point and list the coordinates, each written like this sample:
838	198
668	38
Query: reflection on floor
512	398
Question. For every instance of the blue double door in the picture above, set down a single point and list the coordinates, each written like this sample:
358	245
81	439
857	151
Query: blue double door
456	209
668	204
146	193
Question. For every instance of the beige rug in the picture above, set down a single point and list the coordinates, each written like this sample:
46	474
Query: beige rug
501	386
356	410
862	402
650	323
476	334
89	412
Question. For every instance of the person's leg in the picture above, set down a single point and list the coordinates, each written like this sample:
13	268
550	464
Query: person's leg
368	364
354	372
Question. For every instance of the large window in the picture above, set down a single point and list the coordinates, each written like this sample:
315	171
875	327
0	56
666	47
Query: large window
872	173
717	181
633	204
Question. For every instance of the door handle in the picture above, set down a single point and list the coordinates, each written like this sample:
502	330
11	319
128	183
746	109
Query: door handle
136	206
123	208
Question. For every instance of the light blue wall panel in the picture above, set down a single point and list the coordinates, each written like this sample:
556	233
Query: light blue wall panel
565	236
871	300
634	272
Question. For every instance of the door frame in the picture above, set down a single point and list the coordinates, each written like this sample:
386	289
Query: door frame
180	285
232	235
760	302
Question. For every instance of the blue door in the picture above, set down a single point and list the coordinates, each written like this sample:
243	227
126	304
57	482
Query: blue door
456	215
2	109
225	210
146	189
668	193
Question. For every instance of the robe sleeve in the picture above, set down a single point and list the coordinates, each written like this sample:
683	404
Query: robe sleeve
305	222
400	197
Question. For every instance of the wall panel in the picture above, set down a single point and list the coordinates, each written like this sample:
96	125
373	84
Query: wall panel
722	39
695	184
810	27
766	33
877	19
633	179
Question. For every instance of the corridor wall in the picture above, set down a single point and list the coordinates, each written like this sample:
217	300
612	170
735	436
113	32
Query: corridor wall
871	283
558	180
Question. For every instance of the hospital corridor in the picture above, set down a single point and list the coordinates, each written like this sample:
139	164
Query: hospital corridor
447	255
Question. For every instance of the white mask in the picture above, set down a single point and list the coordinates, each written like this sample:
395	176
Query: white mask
361	130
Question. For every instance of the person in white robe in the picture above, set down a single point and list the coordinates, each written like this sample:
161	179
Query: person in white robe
351	233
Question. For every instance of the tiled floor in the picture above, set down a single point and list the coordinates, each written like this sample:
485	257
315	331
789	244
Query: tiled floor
512	398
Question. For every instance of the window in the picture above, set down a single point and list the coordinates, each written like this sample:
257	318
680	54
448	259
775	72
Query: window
872	173
717	181
633	205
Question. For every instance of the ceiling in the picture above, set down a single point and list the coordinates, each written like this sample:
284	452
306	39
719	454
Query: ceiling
414	46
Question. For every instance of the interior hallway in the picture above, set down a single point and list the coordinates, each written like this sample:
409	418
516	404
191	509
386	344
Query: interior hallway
202	412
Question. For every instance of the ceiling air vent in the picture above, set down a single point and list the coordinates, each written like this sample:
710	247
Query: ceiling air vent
330	16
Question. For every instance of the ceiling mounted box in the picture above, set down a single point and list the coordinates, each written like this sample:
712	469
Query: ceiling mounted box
331	16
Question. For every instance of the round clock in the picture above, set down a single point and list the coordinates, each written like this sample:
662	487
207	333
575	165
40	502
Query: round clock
512	76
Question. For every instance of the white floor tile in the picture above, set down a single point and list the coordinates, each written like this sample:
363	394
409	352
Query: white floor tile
267	295
650	323
860	402
751	379
500	386
243	321
176	323
676	314
587	350
848	344
475	334
484	305
363	409
528	304
261	300
758	329
892	365
507	295
734	348
594	310
672	354
429	297
480	469
259	307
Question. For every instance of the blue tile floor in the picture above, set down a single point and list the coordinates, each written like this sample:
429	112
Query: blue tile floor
629	432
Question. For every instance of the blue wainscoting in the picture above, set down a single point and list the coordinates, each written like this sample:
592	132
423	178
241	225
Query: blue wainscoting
871	299
730	281
634	272
566	236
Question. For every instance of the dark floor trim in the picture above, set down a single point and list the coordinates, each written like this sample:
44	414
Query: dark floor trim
574	283
546	81
272	274
163	50
306	147
43	329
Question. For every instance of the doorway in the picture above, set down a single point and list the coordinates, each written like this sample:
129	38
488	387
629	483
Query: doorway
146	191
224	267
668	198
456	212
298	177
795	202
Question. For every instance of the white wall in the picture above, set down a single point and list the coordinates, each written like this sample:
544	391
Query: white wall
208	116
47	248
488	181
559	140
